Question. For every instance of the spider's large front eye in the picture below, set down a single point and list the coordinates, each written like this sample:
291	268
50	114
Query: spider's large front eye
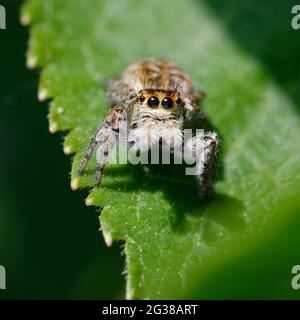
153	102
167	103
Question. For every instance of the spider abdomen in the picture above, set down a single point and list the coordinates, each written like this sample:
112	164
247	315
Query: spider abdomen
157	74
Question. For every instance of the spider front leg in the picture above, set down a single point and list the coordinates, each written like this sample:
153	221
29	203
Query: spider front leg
205	149
105	137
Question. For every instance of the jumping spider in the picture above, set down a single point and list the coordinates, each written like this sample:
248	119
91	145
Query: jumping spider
153	94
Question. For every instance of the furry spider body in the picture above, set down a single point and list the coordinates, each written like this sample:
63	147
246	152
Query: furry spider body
151	103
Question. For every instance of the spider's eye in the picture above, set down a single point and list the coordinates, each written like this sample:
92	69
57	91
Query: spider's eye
167	103
142	98
178	101
153	102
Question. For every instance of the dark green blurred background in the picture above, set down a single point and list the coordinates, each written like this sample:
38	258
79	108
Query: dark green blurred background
49	241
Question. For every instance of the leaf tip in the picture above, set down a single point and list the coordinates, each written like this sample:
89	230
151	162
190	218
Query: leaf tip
25	19
75	184
89	201
129	294
53	127
67	150
31	62
43	95
107	238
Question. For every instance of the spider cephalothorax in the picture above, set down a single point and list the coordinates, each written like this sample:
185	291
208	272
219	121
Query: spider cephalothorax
151	102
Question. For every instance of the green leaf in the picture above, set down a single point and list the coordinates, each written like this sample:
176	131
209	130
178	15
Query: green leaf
177	246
